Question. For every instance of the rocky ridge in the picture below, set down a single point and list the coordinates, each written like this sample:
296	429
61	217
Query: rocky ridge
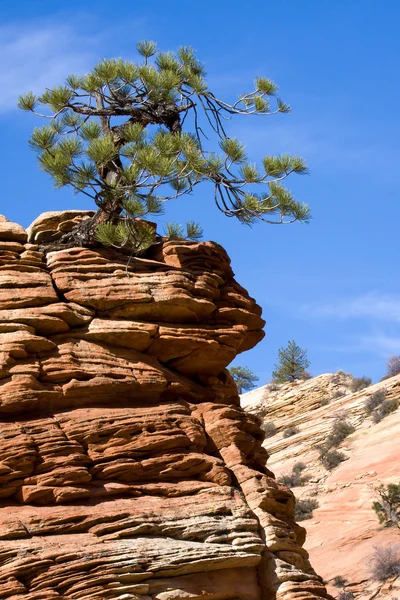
344	530
128	469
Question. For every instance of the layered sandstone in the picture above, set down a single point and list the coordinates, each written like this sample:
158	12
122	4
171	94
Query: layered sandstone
344	530
128	469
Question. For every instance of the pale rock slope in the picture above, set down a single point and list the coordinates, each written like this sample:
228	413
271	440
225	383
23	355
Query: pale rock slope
344	529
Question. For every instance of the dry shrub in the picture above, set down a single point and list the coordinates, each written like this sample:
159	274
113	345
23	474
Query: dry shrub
295	478
385	562
291	430
359	383
331	459
304	508
269	429
384	409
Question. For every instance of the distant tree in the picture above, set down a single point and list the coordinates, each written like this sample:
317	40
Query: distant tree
117	135
388	506
244	378
392	367
292	363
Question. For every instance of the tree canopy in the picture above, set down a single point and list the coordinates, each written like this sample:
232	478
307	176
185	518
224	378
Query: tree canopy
292	363
132	136
244	378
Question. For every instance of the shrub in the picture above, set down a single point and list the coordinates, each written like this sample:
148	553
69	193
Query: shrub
304	508
273	386
374	400
324	399
339	581
315	490
385	562
295	478
269	429
360	383
340	430
388	506
338	394
331	459
344	595
305	375
392	367
382	411
289	431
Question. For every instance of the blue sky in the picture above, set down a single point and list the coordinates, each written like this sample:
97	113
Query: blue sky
332	285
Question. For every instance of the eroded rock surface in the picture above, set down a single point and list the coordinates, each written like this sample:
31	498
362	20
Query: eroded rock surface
344	530
128	469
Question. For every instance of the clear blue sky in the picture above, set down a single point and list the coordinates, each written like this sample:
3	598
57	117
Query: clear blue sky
333	285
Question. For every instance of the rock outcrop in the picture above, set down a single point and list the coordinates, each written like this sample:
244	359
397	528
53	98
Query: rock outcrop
128	469
344	530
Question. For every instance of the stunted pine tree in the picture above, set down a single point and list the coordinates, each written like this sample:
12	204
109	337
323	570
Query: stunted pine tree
132	136
388	506
292	363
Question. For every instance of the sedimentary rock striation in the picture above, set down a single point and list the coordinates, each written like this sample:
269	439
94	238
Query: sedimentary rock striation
128	469
344	530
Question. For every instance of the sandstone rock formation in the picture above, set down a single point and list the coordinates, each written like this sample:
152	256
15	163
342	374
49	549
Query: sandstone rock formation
344	530
128	469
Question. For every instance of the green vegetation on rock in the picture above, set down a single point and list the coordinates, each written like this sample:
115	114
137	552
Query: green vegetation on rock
132	136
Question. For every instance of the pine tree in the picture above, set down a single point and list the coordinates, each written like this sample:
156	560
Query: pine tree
388	506
244	378
117	135
292	363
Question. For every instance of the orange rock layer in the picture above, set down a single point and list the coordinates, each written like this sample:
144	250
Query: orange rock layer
128	469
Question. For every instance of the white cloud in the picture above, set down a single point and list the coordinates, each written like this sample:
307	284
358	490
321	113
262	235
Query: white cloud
37	56
372	306
376	342
381	343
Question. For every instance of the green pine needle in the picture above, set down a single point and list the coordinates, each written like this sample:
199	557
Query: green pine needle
194	231
27	101
146	48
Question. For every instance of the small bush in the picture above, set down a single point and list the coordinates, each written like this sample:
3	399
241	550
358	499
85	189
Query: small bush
340	430
339	581
344	595
273	386
385	562
324	399
289	431
338	394
374	400
387	407
269	429
304	508
295	478
393	367
305	375
331	459
360	383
